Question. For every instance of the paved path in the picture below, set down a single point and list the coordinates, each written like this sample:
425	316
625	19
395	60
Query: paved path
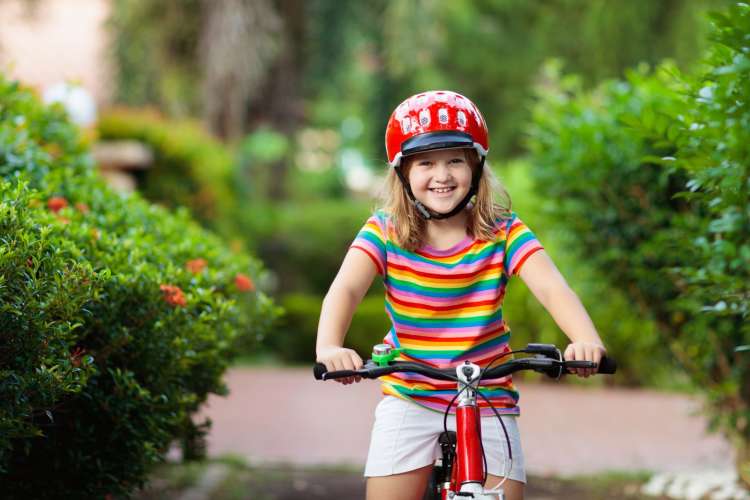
565	429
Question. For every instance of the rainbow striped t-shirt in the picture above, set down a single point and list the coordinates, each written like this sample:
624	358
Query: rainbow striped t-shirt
445	307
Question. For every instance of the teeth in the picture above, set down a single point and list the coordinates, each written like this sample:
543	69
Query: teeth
441	190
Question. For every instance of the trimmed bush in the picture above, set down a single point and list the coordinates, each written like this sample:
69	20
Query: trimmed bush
118	317
590	169
294	340
305	242
191	169
651	174
643	359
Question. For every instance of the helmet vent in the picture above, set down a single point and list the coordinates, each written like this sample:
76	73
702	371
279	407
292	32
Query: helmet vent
461	118
424	117
406	125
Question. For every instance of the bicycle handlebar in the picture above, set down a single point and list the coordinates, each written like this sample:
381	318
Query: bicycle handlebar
551	367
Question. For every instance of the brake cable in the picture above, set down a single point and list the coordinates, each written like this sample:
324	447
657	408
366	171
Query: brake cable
505	431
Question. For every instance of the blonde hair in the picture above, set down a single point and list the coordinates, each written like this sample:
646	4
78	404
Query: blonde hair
491	202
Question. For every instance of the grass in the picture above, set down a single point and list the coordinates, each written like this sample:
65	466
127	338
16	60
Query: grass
613	483
238	480
168	480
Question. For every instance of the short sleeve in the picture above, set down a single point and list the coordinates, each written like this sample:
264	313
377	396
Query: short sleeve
371	240
520	244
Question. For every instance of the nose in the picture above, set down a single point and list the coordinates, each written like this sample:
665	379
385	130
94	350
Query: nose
442	172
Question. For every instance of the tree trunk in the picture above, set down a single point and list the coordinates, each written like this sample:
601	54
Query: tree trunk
238	43
280	104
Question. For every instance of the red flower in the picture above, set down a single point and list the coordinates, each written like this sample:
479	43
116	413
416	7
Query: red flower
82	207
195	266
244	283
173	296
75	356
57	203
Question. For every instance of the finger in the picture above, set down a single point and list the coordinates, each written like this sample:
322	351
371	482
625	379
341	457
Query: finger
569	355
346	361
336	364
348	380
356	360
588	356
353	362
594	355
580	353
344	364
584	371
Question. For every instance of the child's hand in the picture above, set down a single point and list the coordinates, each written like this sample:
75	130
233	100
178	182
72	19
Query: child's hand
585	351
340	358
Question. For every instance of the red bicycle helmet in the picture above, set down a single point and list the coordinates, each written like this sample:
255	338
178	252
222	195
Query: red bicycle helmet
437	119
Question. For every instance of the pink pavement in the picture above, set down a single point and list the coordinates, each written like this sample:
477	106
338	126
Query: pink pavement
566	429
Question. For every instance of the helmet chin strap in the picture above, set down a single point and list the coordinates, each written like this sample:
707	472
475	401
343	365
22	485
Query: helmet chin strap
429	214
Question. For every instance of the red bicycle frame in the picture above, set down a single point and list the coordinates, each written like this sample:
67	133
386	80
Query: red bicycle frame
469	467
467	473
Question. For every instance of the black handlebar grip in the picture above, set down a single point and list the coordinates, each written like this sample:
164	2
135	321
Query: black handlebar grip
607	366
321	373
572	365
319	370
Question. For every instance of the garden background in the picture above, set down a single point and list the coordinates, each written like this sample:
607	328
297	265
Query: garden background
243	146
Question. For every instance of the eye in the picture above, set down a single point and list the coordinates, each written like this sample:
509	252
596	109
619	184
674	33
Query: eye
457	160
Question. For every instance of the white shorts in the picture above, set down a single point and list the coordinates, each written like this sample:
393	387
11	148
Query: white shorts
405	438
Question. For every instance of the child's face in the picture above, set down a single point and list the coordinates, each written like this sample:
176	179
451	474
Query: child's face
440	179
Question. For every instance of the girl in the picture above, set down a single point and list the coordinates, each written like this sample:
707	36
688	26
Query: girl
445	248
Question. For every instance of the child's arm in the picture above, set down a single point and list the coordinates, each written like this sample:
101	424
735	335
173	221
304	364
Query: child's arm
549	287
350	285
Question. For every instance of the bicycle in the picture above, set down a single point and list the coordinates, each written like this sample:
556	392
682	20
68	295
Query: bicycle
461	472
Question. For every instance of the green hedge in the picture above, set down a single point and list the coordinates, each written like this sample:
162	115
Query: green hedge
305	242
643	359
191	169
651	176
114	332
294	339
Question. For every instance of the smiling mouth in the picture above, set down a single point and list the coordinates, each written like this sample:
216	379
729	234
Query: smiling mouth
443	190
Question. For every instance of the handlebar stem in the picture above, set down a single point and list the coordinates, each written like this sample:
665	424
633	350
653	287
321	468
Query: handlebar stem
468	383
